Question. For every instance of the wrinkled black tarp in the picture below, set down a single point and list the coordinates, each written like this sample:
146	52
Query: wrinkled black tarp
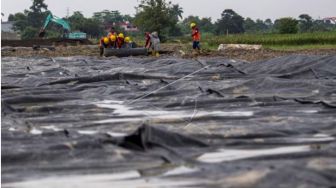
82	115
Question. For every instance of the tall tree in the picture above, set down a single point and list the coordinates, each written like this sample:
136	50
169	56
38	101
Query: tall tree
76	20
230	22
286	25
176	12
11	17
108	17
157	15
320	26
249	25
204	24
91	26
305	23
20	21
37	13
261	26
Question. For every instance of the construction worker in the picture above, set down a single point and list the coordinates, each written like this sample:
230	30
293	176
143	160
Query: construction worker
112	32
128	42
153	43
148	40
104	43
196	37
120	40
113	41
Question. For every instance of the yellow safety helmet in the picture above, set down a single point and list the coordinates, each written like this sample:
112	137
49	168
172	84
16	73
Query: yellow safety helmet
121	35
192	25
128	39
106	40
113	38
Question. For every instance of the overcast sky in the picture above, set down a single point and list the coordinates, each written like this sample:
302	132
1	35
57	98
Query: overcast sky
205	8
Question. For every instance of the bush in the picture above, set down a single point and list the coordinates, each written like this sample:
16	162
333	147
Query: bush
286	25
29	33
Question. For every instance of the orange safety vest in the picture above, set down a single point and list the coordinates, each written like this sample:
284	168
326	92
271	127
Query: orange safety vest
196	35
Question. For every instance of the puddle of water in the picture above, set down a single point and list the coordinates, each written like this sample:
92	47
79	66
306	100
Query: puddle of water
123	110
180	170
317	138
223	155
84	132
124	180
87	132
115	134
91	132
35	131
308	111
51	127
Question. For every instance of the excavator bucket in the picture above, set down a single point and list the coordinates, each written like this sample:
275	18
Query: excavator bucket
42	33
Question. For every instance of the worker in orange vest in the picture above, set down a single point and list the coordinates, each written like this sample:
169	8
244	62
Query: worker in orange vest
196	37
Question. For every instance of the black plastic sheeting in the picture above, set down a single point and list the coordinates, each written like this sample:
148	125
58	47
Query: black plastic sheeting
168	122
125	52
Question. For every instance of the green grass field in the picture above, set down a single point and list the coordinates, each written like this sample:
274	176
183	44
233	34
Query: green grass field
321	40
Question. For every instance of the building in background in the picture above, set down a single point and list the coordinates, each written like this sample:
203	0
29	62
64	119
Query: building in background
128	27
125	26
7	31
330	19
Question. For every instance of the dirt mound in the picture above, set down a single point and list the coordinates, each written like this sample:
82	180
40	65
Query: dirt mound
37	42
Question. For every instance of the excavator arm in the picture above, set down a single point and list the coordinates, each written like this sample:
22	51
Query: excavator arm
57	20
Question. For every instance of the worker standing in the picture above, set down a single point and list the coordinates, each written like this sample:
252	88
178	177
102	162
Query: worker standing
112	32
148	40
196	37
153	43
104	43
120	40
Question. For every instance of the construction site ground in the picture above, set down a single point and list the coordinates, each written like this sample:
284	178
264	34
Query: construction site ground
235	118
173	50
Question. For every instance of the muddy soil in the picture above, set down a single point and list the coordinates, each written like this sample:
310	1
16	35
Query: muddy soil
52	41
172	50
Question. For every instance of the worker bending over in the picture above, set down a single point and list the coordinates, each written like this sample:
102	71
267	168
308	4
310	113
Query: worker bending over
153	43
129	43
113	41
104	43
120	40
196	37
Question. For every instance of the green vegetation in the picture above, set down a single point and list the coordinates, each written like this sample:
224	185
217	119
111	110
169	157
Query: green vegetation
319	38
158	15
286	25
305	41
301	47
166	18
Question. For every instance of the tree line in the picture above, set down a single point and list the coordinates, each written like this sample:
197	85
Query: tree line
165	18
